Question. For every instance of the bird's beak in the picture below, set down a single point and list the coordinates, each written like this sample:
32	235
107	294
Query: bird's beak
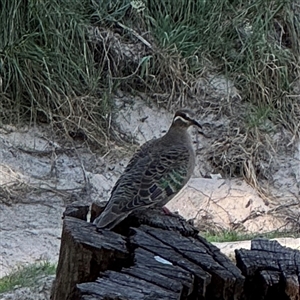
197	124
200	131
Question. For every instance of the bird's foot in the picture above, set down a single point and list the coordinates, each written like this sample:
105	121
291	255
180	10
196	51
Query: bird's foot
168	212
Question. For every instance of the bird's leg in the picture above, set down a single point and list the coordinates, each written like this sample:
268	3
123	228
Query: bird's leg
168	212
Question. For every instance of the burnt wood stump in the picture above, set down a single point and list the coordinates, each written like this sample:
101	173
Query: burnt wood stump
149	256
271	270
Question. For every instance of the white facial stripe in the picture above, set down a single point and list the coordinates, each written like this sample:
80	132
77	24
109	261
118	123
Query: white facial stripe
182	119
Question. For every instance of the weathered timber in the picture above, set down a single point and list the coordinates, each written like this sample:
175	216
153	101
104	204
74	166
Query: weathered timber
271	270
157	218
83	254
77	210
115	285
157	256
97	209
216	275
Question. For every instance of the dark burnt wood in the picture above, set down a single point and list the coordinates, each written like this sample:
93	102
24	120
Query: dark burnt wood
148	256
83	254
77	210
271	270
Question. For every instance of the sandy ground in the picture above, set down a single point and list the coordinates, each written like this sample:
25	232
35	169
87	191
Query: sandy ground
39	175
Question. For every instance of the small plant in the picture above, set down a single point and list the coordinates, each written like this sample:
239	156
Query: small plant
47	68
259	117
26	276
233	236
226	236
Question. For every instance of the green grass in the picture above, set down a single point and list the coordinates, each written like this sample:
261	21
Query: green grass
47	67
43	52
258	118
61	62
26	276
234	236
254	43
48	61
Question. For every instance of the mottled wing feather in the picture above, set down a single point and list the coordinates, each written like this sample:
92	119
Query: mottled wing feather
150	179
141	153
165	176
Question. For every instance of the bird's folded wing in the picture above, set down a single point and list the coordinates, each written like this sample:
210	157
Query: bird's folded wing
150	180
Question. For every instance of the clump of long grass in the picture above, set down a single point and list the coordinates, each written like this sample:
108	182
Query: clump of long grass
26	276
254	43
63	61
47	67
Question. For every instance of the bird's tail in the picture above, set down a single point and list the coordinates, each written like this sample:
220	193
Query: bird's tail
108	220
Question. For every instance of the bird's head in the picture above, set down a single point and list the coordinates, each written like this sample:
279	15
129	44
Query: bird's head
184	118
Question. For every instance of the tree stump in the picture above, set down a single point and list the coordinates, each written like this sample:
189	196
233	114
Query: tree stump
150	255
271	270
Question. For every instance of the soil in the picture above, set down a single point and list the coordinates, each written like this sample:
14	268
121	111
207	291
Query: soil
40	173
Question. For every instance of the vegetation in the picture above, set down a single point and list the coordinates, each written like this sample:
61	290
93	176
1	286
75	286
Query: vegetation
233	236
61	62
26	276
47	68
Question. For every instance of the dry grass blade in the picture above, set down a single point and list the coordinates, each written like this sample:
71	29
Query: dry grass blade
63	62
47	68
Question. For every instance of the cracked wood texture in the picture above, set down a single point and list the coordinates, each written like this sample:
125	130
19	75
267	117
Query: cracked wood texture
150	255
271	270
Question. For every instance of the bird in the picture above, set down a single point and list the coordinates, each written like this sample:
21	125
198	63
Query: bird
155	173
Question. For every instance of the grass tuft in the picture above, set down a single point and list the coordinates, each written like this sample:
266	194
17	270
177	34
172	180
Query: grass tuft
255	43
234	236
62	62
47	68
26	276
